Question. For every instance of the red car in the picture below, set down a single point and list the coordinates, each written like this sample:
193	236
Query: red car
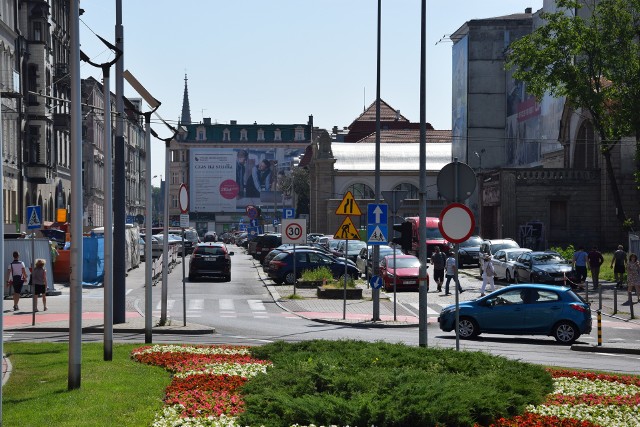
406	272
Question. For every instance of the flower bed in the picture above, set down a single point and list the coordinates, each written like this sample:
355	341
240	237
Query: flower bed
204	391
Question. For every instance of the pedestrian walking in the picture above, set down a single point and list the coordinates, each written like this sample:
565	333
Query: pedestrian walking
39	281
488	275
633	276
17	274
438	260
580	265
595	261
451	267
619	265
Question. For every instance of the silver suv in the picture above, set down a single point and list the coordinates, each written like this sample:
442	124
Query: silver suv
491	246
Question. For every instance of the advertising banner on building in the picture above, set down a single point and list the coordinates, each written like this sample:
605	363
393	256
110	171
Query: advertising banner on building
229	179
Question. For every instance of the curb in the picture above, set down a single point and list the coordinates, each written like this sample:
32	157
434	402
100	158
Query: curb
596	349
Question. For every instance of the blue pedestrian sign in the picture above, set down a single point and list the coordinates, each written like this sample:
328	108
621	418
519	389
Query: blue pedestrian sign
34	217
377	213
288	213
377	234
375	282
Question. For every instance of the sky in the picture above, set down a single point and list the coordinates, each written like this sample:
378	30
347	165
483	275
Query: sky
279	61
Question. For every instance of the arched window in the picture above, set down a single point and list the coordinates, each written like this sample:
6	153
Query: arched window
585	155
412	190
362	191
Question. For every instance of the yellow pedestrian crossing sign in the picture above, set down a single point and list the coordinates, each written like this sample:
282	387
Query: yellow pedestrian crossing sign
34	217
347	231
348	205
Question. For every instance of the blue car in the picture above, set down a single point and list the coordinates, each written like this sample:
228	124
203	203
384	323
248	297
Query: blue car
526	309
281	266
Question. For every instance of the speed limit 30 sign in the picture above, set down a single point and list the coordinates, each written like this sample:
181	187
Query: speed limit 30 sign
294	231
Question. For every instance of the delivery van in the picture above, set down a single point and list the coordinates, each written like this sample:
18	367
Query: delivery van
434	237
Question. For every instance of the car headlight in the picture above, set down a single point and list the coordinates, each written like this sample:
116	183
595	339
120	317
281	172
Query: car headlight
541	272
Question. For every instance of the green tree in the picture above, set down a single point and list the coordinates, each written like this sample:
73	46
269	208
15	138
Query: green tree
589	52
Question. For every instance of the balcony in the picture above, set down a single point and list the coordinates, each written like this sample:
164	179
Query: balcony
61	74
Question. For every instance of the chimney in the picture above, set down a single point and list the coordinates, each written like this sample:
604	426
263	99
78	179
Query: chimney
234	122
528	10
206	120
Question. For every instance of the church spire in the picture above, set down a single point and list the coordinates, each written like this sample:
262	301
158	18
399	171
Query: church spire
185	119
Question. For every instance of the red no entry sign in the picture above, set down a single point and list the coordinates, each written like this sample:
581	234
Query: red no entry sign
456	223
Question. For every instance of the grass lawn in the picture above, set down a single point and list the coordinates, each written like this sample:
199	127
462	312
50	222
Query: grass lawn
121	392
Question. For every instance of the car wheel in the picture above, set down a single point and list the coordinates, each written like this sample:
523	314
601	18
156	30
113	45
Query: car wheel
277	281
290	278
565	332
468	328
192	278
227	278
507	276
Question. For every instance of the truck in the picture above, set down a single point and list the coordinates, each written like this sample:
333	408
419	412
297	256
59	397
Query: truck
434	237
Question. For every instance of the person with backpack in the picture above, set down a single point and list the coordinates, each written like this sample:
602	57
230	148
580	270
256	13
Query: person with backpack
17	274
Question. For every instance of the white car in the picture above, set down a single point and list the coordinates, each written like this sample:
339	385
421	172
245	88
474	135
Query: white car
503	262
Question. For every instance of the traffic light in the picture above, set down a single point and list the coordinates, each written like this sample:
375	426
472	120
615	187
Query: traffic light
406	236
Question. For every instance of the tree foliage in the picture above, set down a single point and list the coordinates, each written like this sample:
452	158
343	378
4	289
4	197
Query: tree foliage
589	52
298	183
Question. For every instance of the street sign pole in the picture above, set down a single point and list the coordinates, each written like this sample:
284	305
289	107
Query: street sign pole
394	199
183	199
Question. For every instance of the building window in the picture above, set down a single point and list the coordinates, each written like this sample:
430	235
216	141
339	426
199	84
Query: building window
362	191
226	135
201	134
412	190
37	31
174	201
299	134
260	135
277	135
175	178
243	135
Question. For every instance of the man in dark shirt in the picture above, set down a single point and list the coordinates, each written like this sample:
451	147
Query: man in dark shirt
595	261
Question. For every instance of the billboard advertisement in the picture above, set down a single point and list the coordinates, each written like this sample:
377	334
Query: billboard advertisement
229	179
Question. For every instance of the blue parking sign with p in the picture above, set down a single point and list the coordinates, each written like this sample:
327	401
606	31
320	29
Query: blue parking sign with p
288	213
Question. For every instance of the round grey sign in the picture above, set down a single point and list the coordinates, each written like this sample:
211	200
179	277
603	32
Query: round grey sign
466	179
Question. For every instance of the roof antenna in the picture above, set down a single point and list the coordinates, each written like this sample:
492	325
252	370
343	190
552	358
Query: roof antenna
364	99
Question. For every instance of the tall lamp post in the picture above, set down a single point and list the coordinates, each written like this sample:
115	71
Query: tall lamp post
148	254
108	198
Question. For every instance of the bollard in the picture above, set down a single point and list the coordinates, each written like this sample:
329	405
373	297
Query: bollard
600	297
615	300
599	328
631	306
586	291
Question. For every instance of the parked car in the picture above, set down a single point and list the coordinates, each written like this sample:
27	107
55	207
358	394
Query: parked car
351	249
491	246
504	262
542	267
281	266
468	251
265	243
364	261
210	236
526	309
190	237
405	271
210	259
289	247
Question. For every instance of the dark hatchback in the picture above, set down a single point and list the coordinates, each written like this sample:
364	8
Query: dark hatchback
210	259
527	309
468	252
281	266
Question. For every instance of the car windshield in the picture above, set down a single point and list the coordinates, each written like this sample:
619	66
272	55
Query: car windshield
209	250
404	262
388	251
511	256
471	241
434	234
540	259
333	243
498	246
191	235
356	245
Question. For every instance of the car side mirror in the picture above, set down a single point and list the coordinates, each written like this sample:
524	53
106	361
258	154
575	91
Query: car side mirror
491	302
231	253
